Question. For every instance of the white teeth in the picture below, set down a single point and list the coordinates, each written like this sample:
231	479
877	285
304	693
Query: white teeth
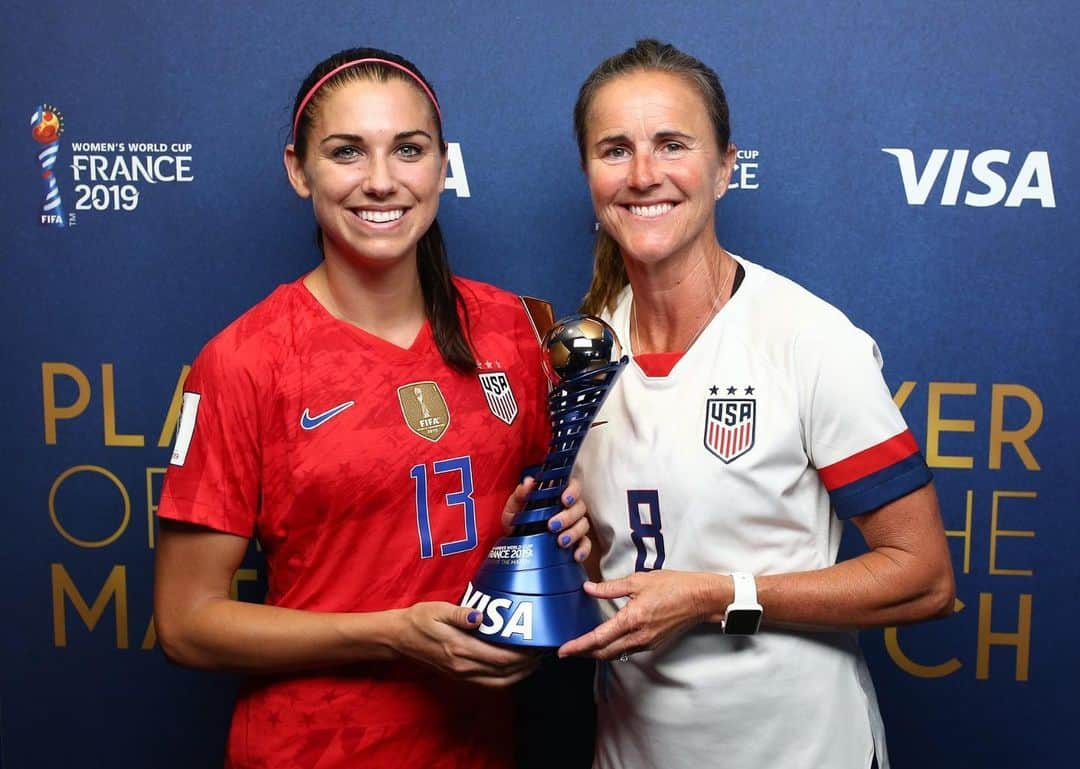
651	211
382	216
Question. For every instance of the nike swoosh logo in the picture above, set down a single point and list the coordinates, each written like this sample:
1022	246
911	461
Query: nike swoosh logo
309	422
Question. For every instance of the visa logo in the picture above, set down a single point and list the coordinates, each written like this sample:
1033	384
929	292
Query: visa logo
495	611
1032	182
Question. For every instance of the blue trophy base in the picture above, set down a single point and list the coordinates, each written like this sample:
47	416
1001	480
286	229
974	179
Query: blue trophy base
529	593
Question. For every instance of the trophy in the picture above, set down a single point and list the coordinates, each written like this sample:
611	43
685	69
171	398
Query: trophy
529	590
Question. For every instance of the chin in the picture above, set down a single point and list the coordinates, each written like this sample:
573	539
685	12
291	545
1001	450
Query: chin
648	253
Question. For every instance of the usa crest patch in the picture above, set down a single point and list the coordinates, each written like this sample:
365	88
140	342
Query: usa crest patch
500	398
729	427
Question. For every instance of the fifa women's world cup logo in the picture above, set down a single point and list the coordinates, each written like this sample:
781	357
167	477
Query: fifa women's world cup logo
46	126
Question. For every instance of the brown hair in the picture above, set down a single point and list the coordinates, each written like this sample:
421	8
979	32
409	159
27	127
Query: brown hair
441	297
649	55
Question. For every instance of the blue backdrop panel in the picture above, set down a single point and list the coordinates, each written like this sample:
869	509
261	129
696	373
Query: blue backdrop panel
913	164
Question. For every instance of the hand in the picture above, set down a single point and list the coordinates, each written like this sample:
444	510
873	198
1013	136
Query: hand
571	525
436	633
663	605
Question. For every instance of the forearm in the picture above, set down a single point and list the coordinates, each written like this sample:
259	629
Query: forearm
875	589
906	576
224	634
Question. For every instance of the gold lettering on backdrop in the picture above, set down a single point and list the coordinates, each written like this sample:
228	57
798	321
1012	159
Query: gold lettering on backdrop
1016	438
908	665
151	507
149	639
168	429
242	575
108	402
53	412
56	518
996	532
900	396
115	588
1021	639
965	534
935	425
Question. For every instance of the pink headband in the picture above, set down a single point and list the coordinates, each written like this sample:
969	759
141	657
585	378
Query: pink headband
346	65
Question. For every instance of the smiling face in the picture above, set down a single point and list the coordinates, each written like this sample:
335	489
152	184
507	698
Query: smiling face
373	168
653	166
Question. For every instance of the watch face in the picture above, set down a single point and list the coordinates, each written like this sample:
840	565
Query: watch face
742	621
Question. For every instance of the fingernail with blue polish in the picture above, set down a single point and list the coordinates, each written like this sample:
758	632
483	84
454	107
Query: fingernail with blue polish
570	500
564	539
580	557
473	616
555	525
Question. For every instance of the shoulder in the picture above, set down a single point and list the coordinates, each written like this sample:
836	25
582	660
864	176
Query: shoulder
795	330
492	308
484	296
261	333
779	303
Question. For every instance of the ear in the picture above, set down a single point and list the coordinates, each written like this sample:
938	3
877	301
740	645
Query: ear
727	165
294	167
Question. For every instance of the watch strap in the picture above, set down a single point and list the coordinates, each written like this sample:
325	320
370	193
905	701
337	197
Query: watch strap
745	588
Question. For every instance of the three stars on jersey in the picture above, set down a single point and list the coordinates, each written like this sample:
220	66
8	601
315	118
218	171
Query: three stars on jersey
729	422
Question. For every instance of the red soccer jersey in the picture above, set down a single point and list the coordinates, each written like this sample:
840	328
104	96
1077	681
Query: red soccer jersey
374	478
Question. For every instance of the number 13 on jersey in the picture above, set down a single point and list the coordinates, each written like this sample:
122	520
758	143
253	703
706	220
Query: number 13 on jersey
463	497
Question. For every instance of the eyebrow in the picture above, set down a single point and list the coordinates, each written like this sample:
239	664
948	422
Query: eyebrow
358	139
659	135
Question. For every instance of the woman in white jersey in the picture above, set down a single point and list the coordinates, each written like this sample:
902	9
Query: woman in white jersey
752	421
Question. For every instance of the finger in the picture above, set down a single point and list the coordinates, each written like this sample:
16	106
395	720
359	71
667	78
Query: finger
517	500
571	536
584	548
462	617
598	638
494	658
573	491
615	588
497	682
568	516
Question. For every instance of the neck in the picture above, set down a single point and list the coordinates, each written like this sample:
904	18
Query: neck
674	301
384	300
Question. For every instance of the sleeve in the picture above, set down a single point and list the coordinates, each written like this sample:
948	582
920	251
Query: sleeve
213	478
855	435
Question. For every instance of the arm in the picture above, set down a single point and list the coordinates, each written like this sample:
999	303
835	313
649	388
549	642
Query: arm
200	625
905	577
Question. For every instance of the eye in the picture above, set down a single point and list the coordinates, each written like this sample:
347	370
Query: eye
410	151
345	152
616	153
673	147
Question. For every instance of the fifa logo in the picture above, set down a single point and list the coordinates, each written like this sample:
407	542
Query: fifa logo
46	126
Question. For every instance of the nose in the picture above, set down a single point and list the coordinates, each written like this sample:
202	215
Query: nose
379	181
642	172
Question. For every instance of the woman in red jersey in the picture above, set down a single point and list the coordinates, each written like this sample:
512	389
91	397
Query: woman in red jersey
343	421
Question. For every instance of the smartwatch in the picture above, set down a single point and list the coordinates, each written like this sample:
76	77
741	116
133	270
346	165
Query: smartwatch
743	614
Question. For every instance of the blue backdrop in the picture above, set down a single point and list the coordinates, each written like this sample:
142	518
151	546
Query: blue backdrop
913	163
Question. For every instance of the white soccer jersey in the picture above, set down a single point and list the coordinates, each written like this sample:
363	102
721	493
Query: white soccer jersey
772	427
